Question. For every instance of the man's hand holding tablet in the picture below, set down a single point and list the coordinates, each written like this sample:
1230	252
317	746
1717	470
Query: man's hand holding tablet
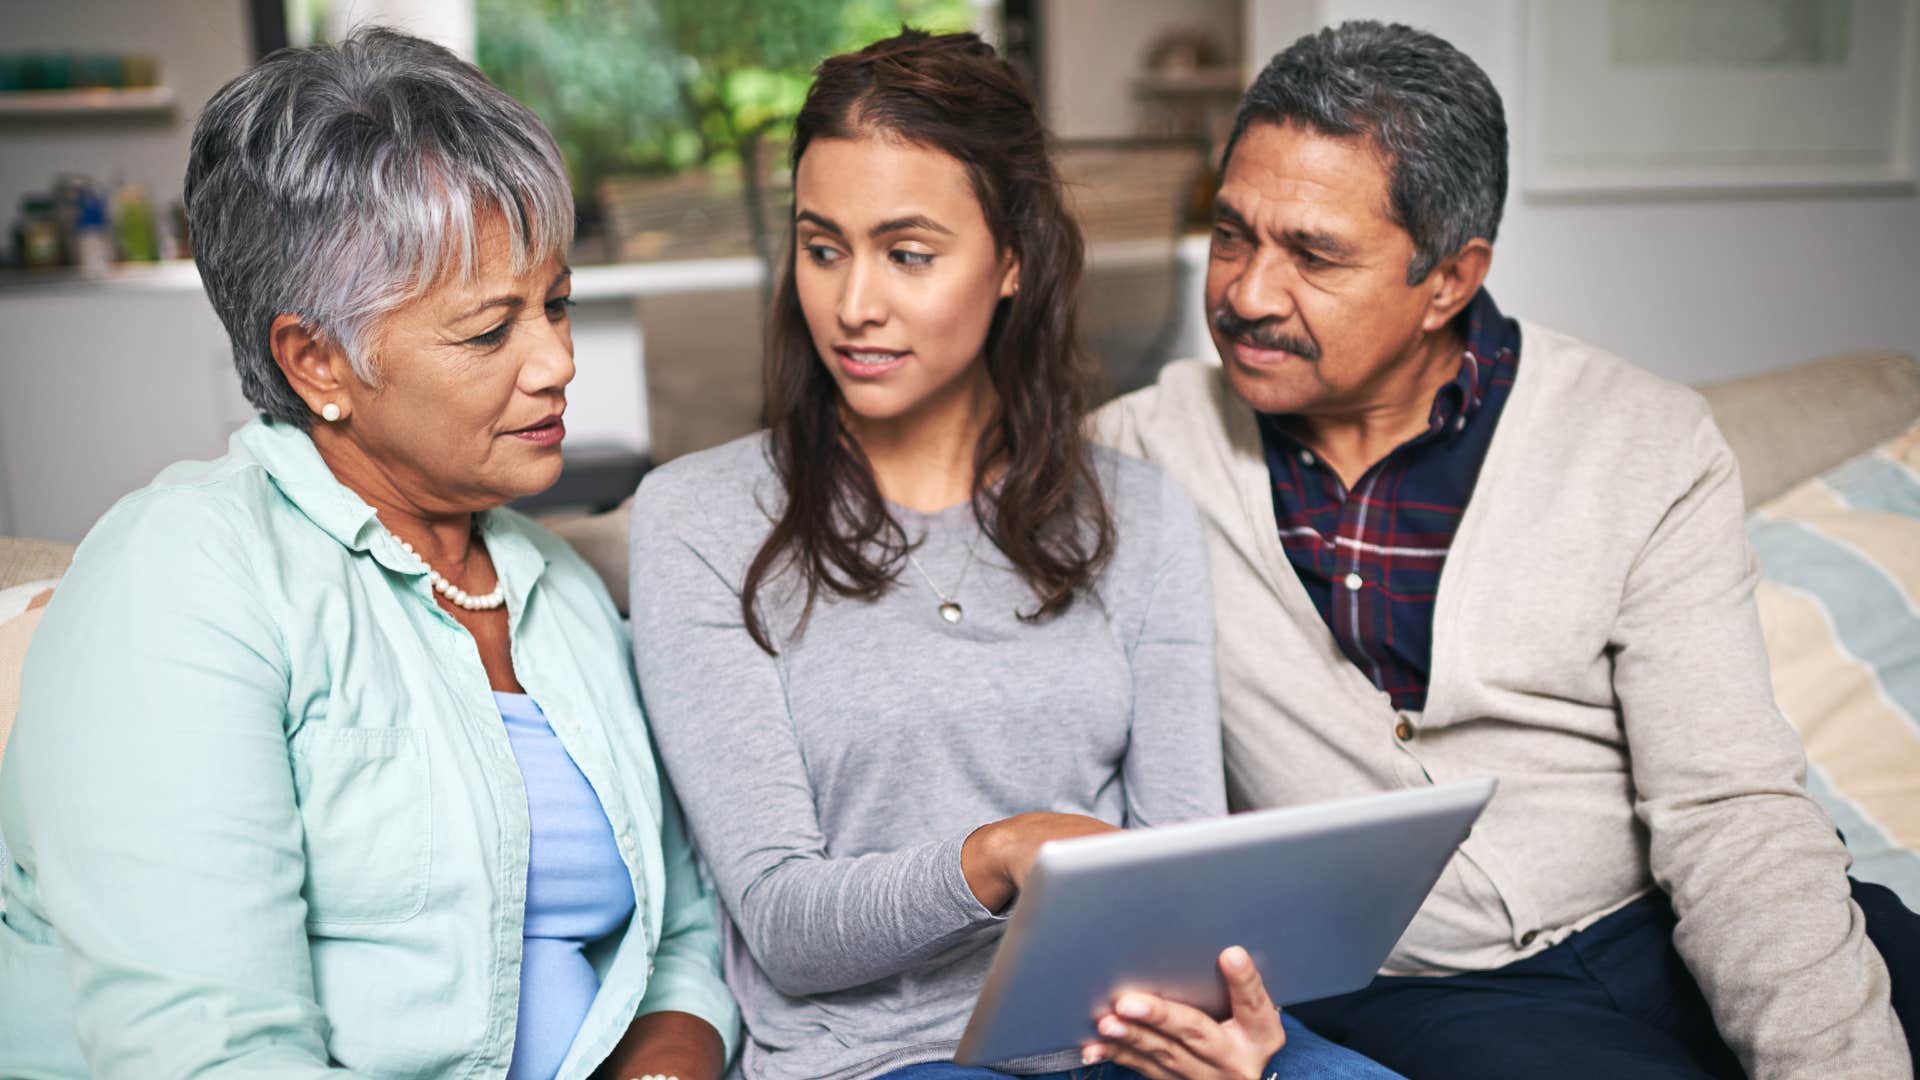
1165	1040
1151	1035
1291	904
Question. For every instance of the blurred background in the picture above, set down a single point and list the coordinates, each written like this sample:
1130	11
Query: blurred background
1711	188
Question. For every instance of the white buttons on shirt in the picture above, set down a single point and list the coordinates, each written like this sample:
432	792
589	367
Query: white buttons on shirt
1306	457
626	842
1354	581
1460	423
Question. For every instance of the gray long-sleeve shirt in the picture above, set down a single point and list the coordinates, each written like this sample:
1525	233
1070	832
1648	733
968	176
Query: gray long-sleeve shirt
829	789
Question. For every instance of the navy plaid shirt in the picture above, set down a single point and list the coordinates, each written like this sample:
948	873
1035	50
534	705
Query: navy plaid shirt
1370	558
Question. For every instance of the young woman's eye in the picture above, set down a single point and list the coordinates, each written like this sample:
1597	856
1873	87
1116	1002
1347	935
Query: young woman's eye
557	307
822	254
912	260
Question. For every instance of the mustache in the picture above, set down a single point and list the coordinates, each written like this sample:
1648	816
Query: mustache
1262	334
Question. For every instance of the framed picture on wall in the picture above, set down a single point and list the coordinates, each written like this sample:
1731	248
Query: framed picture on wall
1628	97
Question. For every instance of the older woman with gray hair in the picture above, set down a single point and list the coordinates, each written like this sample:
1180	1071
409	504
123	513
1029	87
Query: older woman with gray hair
327	762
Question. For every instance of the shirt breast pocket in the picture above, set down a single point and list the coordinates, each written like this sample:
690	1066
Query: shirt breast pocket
366	809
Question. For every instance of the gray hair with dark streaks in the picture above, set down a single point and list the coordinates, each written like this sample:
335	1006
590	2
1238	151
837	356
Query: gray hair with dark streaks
1425	106
338	182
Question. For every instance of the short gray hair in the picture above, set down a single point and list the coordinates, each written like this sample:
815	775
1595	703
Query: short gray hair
1425	105
338	182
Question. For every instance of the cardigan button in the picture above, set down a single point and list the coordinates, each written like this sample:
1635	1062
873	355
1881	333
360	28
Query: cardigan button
1528	938
1403	731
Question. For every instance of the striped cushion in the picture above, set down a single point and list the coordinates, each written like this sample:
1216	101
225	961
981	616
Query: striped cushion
1840	604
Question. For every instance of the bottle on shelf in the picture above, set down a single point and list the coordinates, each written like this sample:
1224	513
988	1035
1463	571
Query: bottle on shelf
133	225
92	242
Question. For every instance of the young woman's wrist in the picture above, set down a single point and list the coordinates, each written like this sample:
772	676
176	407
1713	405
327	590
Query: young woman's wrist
983	863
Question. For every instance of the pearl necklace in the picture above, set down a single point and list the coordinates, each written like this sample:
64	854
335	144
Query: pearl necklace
454	592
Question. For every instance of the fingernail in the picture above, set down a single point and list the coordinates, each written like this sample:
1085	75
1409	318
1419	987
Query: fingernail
1092	1055
1236	958
1111	1028
1131	1007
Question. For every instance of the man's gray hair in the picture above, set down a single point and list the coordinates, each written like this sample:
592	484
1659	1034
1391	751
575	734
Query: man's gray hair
338	182
1427	108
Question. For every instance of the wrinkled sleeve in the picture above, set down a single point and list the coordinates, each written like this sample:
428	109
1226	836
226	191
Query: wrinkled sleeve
814	923
1756	874
686	965
1173	769
162	832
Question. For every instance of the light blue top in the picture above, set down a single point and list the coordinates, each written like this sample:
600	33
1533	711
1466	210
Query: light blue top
577	891
264	818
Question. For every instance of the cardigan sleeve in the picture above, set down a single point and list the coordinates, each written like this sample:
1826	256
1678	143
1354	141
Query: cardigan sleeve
1756	873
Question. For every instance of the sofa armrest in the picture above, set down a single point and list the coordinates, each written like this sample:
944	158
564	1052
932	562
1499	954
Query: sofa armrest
601	539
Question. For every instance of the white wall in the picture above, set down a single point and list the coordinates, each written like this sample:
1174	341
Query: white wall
448	22
1695	289
200	45
1094	49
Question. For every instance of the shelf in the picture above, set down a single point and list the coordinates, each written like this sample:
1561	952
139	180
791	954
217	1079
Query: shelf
591	284
1200	82
93	102
170	276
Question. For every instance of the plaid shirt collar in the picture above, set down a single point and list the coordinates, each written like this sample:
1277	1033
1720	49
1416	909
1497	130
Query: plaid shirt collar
1370	559
1488	334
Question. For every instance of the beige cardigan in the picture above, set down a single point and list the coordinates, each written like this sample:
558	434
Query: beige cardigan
1596	648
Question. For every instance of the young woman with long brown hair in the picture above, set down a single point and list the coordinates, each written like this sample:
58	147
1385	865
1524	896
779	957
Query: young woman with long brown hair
919	626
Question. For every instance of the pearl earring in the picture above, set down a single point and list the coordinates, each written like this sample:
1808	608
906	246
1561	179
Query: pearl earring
329	412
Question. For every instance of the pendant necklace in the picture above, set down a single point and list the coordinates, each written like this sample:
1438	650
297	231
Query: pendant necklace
950	609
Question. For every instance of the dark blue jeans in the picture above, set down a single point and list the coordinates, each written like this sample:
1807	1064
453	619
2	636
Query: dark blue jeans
1306	1056
1612	1001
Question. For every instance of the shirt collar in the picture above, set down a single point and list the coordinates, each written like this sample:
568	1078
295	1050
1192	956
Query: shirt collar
1491	337
303	478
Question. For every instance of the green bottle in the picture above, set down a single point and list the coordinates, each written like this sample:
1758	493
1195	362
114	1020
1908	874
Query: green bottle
133	224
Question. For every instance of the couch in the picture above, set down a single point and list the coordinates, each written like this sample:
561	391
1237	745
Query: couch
1830	461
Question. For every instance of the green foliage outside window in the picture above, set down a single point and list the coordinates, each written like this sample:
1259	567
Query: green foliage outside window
663	86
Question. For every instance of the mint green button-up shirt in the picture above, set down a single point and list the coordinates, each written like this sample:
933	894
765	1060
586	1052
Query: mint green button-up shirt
262	813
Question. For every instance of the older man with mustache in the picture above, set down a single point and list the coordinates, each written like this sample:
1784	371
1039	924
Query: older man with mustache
1446	544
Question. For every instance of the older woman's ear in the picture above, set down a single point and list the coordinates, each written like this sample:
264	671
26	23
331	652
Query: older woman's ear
313	366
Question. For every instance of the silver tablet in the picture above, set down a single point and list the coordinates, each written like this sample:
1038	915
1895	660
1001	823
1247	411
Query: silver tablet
1317	894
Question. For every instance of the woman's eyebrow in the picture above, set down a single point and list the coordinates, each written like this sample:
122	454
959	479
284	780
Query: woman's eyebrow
920	222
908	223
826	223
514	302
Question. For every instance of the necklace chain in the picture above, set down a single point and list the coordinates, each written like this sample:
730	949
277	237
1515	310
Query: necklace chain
950	609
